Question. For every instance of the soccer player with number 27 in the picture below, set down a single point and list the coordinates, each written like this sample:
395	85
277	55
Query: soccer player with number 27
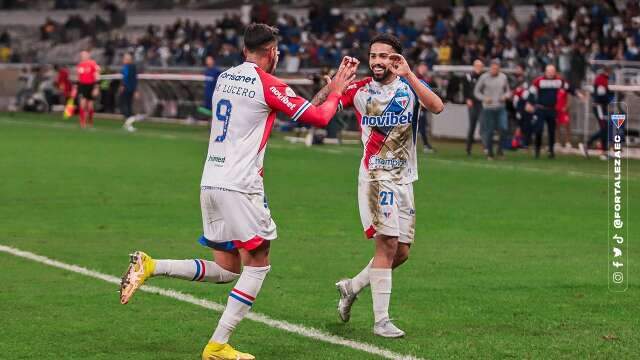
236	220
387	106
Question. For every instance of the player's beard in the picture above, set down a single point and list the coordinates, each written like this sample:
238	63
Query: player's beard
382	77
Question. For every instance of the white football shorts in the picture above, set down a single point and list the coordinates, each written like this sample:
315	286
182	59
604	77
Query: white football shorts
387	208
232	216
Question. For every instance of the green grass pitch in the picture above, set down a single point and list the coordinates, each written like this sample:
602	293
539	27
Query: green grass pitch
510	259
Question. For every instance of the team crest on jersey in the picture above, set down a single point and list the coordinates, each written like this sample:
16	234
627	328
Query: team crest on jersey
403	101
400	101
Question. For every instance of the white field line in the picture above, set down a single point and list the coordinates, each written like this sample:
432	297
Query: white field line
158	134
301	330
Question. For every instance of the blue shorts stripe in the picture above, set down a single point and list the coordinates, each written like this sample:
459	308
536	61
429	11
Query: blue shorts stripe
223	246
244	301
197	270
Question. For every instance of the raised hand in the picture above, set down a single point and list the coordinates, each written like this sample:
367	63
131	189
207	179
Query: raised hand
346	62
399	65
345	75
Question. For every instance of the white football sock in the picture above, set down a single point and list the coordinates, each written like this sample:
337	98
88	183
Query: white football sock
194	270
361	280
380	292
240	301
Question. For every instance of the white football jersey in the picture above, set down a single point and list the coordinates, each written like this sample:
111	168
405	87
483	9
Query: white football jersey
244	105
388	119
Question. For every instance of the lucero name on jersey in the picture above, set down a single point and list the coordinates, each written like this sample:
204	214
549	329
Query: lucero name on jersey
235	90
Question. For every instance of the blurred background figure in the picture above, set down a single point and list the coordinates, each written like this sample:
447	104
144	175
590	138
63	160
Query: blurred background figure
474	105
88	74
128	90
543	95
63	82
422	71
602	96
523	118
211	74
563	120
492	88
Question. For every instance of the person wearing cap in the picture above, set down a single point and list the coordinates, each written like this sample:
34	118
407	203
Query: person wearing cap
492	88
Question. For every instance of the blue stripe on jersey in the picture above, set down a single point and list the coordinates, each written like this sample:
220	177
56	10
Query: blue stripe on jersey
414	120
416	108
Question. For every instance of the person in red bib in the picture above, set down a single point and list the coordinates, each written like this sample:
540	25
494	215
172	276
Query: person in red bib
563	121
88	74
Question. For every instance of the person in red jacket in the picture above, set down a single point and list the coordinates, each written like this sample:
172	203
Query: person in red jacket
88	74
63	81
563	121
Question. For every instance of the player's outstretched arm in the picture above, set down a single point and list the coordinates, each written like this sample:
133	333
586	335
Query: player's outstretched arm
427	98
280	97
321	115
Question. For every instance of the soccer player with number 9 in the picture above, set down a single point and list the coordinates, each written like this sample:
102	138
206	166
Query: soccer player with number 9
236	219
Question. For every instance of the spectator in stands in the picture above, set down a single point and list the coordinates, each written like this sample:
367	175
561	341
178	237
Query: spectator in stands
5	47
492	88
211	74
474	105
444	52
578	66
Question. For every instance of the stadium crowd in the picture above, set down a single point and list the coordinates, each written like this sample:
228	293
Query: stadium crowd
568	34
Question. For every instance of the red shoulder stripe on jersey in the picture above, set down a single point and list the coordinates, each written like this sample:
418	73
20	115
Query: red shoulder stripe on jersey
349	94
373	145
268	125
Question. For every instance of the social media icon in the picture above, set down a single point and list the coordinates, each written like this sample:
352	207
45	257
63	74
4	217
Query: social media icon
617	277
617	252
617	264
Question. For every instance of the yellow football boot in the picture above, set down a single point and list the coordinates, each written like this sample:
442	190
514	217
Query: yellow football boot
215	351
141	268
